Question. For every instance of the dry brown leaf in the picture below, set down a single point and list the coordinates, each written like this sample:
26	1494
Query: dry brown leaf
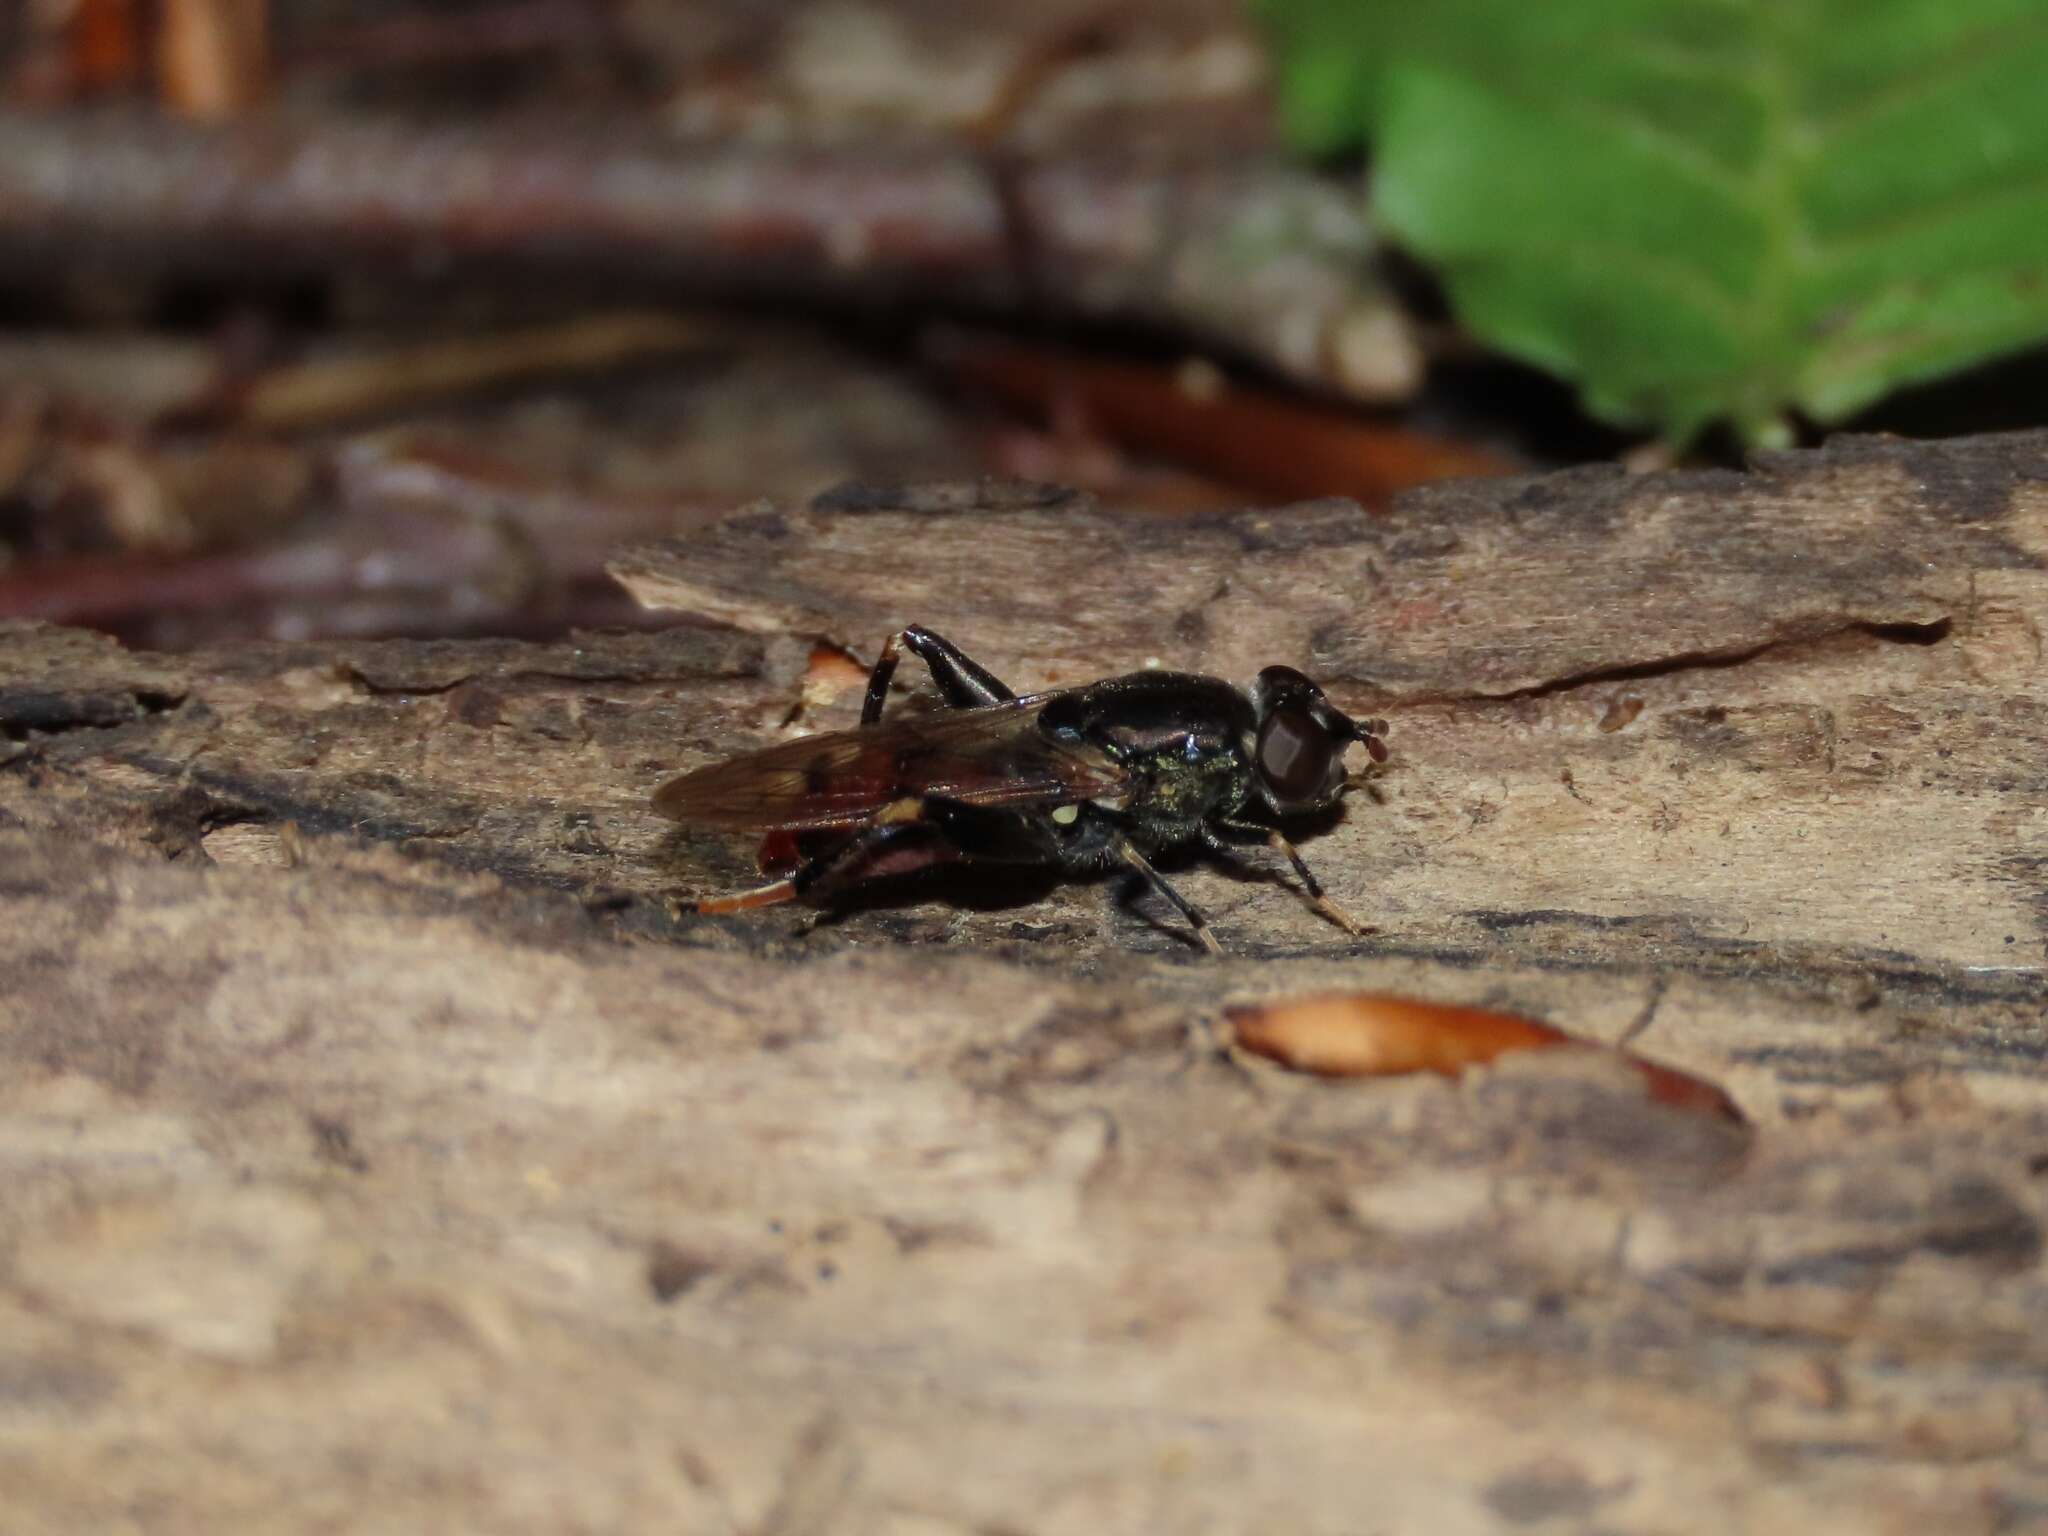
1366	1034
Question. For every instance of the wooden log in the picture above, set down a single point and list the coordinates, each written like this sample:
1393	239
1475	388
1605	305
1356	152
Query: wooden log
379	1135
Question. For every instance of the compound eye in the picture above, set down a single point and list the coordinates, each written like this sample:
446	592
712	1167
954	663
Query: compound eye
1295	755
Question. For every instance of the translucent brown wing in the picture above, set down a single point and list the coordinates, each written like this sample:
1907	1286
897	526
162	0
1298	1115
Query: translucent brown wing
990	756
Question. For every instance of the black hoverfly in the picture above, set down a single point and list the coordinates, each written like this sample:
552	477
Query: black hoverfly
1077	778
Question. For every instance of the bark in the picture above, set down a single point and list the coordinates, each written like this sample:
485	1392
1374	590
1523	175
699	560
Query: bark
382	1136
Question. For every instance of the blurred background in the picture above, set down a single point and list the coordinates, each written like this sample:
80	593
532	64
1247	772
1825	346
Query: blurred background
395	317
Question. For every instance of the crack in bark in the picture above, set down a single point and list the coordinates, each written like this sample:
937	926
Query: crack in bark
435	689
1902	632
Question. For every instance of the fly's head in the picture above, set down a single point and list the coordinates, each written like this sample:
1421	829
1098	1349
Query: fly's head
1298	751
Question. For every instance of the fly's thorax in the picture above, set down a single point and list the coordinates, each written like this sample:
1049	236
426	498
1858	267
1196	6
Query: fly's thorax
1177	786
1148	709
1177	741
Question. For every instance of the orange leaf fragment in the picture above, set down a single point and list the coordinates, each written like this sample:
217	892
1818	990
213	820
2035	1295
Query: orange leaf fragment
1682	1090
830	673
1364	1034
1367	1034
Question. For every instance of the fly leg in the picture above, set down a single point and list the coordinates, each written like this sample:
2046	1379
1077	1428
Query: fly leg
1317	896
1043	838
890	848
774	893
1130	855
965	682
883	846
1311	887
908	834
999	836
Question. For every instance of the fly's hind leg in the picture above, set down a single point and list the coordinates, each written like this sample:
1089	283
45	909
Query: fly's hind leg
965	682
908	834
774	893
889	846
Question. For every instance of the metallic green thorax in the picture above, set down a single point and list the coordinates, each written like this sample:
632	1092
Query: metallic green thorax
1179	738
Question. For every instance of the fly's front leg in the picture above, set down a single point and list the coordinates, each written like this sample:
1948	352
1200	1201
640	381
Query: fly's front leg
965	683
1317	896
1311	887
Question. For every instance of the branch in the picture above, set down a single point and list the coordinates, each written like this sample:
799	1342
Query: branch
1254	258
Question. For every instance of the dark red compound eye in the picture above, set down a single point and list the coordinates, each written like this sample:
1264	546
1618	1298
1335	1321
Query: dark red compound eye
1295	754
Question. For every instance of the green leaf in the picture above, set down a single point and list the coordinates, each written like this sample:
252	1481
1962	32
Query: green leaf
1703	210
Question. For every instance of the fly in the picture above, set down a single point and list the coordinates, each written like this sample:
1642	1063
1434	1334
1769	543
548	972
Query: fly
1080	779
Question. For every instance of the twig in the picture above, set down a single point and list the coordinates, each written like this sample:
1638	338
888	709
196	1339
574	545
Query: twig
1255	259
366	381
147	379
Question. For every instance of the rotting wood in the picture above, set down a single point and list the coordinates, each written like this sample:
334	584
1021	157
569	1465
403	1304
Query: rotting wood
376	1130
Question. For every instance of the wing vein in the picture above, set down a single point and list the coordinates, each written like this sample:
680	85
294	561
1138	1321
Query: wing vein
989	756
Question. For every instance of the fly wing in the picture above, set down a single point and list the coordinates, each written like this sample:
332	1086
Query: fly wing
989	756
